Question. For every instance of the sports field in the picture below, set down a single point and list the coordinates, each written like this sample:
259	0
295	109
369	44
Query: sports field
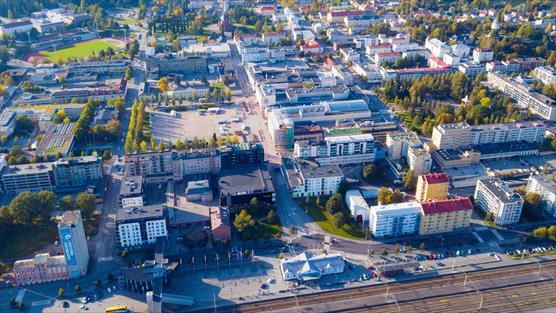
82	49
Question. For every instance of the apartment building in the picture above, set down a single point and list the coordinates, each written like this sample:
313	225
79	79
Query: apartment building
433	186
545	186
419	160
538	103
15	179
74	243
398	144
482	55
307	179
140	226
396	219
547	74
357	205
42	268
437	47
341	150
493	195
441	216
77	172
462	135
131	188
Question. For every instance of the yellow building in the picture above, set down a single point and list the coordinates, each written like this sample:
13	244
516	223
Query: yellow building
443	216
433	186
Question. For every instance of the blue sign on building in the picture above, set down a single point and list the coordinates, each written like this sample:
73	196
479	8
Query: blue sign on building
67	245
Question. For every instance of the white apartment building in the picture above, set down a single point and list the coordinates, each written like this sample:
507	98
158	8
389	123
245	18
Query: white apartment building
132	202
341	150
493	195
139	226
436	47
538	103
460	135
419	160
547	74
482	55
396	219
309	180
545	186
371	73
398	144
357	205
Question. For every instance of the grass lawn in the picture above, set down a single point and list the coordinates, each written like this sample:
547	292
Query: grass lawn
263	229
80	50
24	241
326	222
244	29
130	21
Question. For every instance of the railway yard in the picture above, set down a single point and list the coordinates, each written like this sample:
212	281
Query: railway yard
528	286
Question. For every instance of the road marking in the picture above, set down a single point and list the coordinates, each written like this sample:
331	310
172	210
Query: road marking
40	303
105	259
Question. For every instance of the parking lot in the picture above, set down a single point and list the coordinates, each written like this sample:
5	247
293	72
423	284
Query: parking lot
197	123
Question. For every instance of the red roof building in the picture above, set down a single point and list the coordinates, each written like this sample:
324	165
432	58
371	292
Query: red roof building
448	205
441	216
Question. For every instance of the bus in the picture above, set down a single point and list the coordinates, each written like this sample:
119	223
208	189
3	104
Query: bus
117	309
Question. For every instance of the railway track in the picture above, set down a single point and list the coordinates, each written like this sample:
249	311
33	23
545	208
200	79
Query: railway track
510	299
321	298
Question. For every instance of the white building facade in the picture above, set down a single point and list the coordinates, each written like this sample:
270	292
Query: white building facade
393	220
493	195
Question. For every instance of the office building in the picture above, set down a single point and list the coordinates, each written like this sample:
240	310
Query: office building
441	216
162	65
525	97
58	139
70	173
42	268
241	184
398	144
307	179
342	150
141	226
462	135
357	205
396	219
307	266
545	186
74	243
433	186
493	195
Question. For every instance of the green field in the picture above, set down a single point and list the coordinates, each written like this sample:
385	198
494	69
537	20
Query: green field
80	50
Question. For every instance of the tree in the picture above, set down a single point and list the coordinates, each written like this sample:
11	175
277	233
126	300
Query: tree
254	203
143	146
160	146
281	255
67	203
59	116
384	195
384	251
77	288
489	218
368	171
60	292
107	155
258	27
339	219
235	139
110	277
409	180
318	201
163	85
540	233
409	248
118	103
179	145
32	207
422	246
334	203
551	231
292	229
271	215
532	204
307	200
98	282
128	73
243	220
86	203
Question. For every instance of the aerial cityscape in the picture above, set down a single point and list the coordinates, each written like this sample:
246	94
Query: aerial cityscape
161	156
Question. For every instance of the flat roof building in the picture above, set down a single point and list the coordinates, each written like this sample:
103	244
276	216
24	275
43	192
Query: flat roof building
493	195
396	219
307	179
238	186
433	186
139	226
441	216
545	186
74	243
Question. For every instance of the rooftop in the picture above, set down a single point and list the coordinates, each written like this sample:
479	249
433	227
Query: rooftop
448	205
70	218
397	208
500	190
155	211
131	185
436	178
546	181
244	180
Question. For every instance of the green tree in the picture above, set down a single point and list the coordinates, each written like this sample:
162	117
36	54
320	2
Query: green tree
143	146
384	195
86	203
254	203
339	219
318	201
242	221
384	251
422	246
118	103
334	203
67	203
59	116
60	292
77	288
540	233
163	85
368	171
98	282
532	204
128	73
179	145
489	218
409	181
551	232
32	207
292	229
